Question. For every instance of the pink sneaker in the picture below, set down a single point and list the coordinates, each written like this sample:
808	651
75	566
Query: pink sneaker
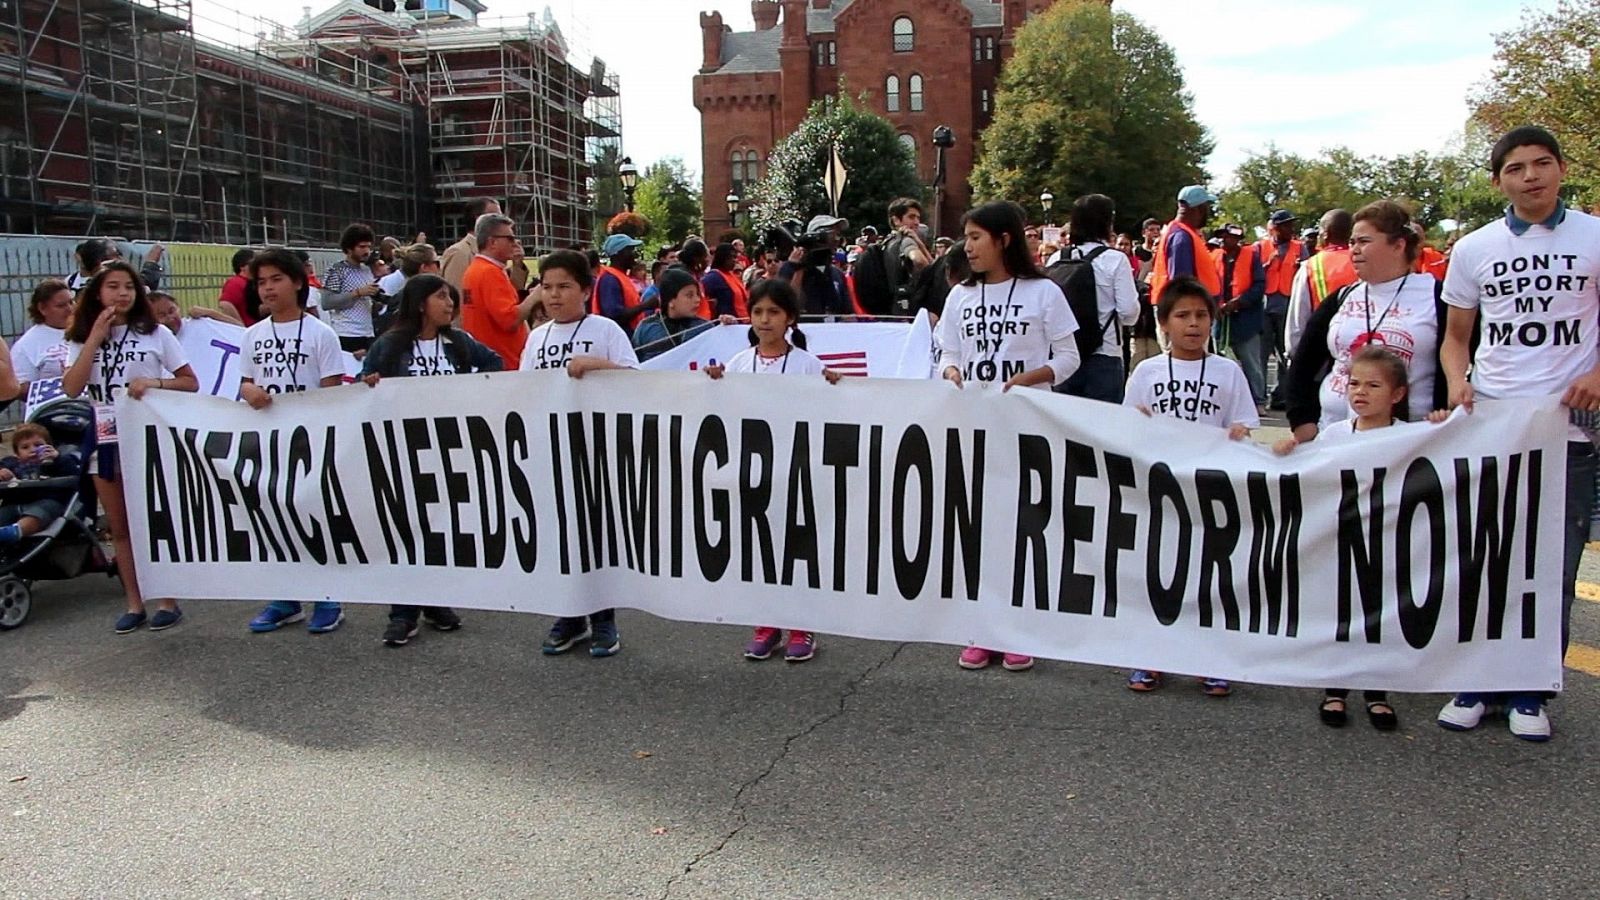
1016	662
974	658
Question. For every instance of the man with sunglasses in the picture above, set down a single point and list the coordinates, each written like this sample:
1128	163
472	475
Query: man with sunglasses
491	309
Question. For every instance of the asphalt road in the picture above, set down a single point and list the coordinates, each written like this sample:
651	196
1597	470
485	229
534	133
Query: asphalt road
209	762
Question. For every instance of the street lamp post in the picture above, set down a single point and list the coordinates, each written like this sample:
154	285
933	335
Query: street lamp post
943	139
733	209
1047	200
630	179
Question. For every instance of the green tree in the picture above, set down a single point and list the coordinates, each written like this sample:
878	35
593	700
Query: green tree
605	188
880	167
1092	101
670	199
1547	73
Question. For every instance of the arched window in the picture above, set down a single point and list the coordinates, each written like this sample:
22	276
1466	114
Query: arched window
752	166
910	143
891	93
905	35
916	93
737	172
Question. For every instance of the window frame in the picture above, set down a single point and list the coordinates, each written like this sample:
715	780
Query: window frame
891	93
907	36
914	88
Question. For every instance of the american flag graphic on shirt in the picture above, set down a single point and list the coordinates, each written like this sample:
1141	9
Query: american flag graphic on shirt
853	362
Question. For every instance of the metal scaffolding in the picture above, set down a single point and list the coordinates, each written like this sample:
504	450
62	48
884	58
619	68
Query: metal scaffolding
100	132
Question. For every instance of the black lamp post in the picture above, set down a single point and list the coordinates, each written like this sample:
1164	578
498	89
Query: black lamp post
733	209
943	139
630	179
1047	200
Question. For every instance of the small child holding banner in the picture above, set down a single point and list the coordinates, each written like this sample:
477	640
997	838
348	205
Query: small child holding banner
577	342
288	352
777	348
116	346
421	341
1188	382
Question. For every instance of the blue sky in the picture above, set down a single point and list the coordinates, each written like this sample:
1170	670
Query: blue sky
1379	76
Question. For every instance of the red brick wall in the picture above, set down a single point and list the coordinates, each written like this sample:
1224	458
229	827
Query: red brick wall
736	112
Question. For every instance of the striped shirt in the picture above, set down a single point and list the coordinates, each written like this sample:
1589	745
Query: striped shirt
344	277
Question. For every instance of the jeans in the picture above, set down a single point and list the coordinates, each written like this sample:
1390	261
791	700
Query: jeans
1273	347
1099	378
1248	352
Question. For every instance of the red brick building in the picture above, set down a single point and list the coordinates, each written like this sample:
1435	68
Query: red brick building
922	63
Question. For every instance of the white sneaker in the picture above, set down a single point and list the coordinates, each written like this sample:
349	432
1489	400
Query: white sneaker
1463	712
1529	720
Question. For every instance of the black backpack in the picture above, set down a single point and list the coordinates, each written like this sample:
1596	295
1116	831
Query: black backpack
1074	274
873	289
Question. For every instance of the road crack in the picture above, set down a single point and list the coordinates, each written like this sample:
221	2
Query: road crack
737	808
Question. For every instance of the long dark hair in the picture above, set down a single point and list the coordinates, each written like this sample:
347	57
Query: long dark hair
46	289
1002	218
141	318
788	299
1092	218
414	300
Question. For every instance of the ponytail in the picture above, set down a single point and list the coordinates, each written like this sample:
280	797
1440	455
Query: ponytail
797	337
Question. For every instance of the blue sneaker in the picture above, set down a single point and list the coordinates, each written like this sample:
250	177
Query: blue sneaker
277	614
606	641
325	617
564	634
165	618
130	622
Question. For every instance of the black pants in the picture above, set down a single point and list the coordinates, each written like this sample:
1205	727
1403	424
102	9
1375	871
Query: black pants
1369	696
354	344
411	613
598	617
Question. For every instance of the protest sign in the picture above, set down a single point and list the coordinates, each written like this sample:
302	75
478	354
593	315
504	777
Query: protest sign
878	349
1423	559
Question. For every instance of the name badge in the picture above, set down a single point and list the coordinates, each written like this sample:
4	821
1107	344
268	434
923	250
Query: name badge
105	423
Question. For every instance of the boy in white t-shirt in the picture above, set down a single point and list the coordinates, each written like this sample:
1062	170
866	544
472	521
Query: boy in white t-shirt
288	352
1188	382
578	342
1534	278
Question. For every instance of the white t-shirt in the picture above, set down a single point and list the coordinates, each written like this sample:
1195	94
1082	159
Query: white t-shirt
993	332
1405	320
1114	289
1212	391
430	357
41	352
795	362
288	357
1538	294
127	355
550	345
1345	431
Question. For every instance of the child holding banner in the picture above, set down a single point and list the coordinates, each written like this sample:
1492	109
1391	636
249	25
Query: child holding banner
1377	387
421	341
1020	337
777	347
115	346
1190	383
288	352
578	342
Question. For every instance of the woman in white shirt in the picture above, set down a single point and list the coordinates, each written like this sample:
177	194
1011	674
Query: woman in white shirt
41	352
1390	306
1005	326
116	346
1101	376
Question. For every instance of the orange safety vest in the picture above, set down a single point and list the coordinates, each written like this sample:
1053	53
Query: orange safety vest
1243	268
1207	274
1280	269
630	294
741	298
1433	262
1327	271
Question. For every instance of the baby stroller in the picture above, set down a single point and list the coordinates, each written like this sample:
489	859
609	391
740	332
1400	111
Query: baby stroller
69	546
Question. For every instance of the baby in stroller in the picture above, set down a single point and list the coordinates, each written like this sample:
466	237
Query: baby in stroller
32	458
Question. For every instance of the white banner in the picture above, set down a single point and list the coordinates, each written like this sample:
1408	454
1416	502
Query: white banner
878	349
1426	559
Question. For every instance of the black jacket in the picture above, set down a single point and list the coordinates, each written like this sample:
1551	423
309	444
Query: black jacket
1312	362
390	355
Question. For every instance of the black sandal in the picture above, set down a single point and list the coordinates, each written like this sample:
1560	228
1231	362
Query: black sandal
1332	715
1382	719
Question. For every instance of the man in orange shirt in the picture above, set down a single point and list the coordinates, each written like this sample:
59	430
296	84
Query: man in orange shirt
491	311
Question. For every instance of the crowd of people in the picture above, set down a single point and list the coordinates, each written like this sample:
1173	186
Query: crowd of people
1353	327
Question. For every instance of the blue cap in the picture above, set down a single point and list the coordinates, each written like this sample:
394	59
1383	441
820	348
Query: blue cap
1196	195
617	243
1281	216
